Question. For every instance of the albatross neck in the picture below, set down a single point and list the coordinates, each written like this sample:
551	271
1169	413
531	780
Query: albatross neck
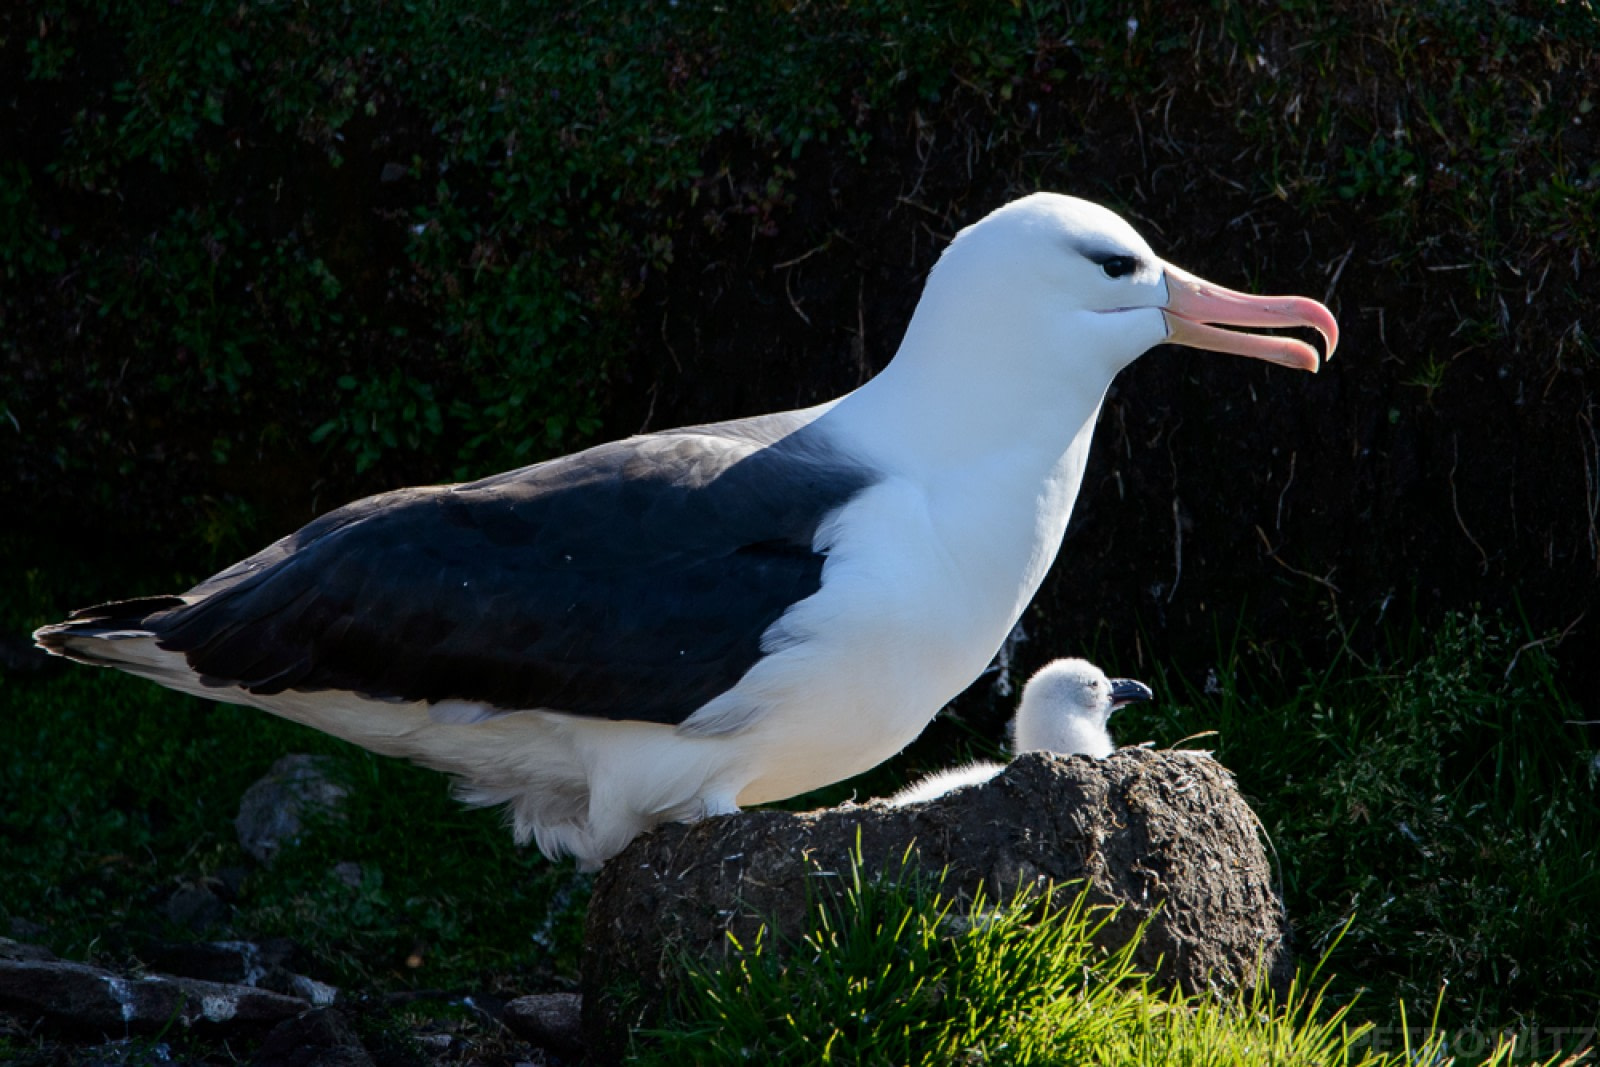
954	400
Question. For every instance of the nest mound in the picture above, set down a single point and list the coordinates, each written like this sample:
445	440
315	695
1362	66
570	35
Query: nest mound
1165	835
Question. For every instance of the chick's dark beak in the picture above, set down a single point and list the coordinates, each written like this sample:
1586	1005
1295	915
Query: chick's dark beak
1126	691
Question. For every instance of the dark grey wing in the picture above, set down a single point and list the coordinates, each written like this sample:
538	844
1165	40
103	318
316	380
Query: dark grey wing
631	581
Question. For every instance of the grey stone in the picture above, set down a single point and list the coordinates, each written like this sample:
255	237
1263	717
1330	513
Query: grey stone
92	999
319	1038
212	961
241	962
264	965
435	1044
197	907
273	810
20	950
1165	835
318	993
549	1020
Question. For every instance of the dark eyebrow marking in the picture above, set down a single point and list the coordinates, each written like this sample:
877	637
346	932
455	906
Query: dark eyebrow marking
1099	256
1093	251
1117	261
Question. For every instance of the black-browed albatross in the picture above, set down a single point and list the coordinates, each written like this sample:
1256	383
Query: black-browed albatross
685	622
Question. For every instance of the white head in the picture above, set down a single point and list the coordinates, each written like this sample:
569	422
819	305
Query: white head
1032	310
1065	706
1080	273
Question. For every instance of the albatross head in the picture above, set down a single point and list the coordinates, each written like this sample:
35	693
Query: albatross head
1028	316
1079	281
1065	706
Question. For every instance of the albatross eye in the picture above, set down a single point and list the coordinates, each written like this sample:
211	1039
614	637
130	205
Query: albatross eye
1119	266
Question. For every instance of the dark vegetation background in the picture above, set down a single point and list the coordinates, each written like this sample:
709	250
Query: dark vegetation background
259	259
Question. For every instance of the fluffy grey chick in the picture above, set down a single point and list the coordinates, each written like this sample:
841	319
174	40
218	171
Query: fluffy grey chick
1064	709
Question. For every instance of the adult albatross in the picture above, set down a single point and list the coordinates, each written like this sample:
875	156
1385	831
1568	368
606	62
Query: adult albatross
685	622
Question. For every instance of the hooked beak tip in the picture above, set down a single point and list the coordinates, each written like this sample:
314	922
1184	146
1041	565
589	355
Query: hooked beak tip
1196	310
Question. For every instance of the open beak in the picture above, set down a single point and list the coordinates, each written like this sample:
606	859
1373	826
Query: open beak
1195	309
1127	691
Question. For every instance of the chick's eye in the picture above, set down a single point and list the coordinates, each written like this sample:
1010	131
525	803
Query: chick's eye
1119	266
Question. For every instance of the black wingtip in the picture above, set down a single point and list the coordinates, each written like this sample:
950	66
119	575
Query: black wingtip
124	612
93	621
52	638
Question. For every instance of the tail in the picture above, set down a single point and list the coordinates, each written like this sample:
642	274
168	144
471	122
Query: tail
118	634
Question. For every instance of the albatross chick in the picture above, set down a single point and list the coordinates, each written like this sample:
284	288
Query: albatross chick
1064	709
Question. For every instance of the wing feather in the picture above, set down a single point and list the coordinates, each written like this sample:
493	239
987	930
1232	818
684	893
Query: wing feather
631	581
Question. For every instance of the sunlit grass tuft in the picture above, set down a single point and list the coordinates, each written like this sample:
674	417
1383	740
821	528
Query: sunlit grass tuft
892	973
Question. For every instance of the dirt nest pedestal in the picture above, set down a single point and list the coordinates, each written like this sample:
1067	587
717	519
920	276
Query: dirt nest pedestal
1164	834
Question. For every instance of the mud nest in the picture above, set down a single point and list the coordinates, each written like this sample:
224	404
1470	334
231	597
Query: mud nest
1165	835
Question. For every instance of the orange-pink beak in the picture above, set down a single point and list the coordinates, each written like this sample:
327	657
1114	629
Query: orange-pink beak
1195	308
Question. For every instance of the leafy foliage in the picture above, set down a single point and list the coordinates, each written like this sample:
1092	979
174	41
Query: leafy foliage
455	206
1444	805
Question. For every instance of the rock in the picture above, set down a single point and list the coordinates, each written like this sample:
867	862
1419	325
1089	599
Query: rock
319	1038
196	906
272	811
240	962
435	1044
81	997
1149	830
320	994
264	965
349	873
19	950
26	929
550	1020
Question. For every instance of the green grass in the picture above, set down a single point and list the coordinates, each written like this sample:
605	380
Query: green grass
891	975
